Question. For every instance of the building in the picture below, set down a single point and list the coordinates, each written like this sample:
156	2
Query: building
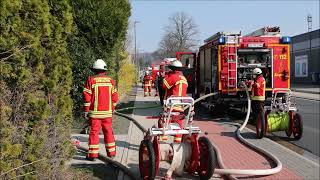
305	61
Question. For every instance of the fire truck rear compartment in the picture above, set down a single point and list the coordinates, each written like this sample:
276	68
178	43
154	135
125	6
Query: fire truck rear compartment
248	59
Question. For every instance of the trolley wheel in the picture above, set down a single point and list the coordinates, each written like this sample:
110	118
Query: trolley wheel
146	160
207	158
260	125
156	148
289	130
297	126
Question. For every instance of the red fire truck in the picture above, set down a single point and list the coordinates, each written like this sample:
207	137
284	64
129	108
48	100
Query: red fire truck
226	59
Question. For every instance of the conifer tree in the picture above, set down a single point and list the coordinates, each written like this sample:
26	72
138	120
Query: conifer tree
35	83
100	30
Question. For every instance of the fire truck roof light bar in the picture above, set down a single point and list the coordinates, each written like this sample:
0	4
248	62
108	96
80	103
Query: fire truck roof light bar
222	34
285	39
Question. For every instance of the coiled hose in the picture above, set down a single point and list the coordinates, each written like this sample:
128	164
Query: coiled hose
223	171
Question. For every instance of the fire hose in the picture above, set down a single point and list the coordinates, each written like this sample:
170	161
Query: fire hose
231	172
223	171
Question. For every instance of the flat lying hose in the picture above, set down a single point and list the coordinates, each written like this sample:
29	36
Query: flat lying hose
223	171
115	163
247	171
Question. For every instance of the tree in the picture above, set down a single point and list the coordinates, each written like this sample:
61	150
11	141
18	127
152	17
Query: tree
99	32
180	35
35	84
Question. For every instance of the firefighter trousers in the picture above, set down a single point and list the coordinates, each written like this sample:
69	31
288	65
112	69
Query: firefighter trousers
257	107
147	90
106	125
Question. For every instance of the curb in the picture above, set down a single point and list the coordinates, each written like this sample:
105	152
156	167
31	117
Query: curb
124	158
283	147
237	125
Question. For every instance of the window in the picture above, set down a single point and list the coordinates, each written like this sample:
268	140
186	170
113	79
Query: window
301	66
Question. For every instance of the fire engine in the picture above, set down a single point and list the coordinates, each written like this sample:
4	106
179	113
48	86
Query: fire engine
227	58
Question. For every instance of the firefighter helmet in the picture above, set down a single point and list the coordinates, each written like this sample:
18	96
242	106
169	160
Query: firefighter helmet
257	71
99	64
176	65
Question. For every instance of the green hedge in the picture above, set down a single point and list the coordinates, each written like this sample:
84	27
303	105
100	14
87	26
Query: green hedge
36	80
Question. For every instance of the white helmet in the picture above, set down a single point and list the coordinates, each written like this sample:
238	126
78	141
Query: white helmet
99	64
176	63
147	72
257	71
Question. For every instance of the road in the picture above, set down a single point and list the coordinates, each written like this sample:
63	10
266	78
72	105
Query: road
308	106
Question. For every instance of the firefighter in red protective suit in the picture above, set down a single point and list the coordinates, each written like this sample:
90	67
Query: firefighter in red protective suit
100	98
175	84
257	88
147	81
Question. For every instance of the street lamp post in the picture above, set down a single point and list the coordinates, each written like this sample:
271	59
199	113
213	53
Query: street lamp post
135	44
309	19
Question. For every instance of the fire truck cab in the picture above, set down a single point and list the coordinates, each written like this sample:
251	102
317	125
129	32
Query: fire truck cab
226	59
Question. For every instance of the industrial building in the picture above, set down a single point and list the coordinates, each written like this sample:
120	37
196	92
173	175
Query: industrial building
305	58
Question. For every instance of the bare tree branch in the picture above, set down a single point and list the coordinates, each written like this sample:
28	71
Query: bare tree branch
180	35
16	50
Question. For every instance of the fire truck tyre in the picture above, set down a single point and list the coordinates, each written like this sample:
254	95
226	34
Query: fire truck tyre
297	127
207	158
147	160
260	125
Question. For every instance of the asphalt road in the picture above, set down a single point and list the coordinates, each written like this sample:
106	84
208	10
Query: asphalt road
308	106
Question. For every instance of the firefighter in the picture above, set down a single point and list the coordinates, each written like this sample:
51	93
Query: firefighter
160	89
147	81
257	88
175	84
156	81
100	98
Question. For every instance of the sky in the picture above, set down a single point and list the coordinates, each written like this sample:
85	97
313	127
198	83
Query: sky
213	16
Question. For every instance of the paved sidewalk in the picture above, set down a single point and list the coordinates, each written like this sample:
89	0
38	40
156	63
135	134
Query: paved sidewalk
100	167
303	95
234	154
134	133
313	89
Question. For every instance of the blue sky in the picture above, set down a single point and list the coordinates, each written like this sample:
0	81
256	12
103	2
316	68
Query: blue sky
213	16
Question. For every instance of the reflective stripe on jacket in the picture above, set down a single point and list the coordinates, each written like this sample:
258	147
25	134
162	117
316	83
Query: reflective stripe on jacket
258	89
100	96
175	84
